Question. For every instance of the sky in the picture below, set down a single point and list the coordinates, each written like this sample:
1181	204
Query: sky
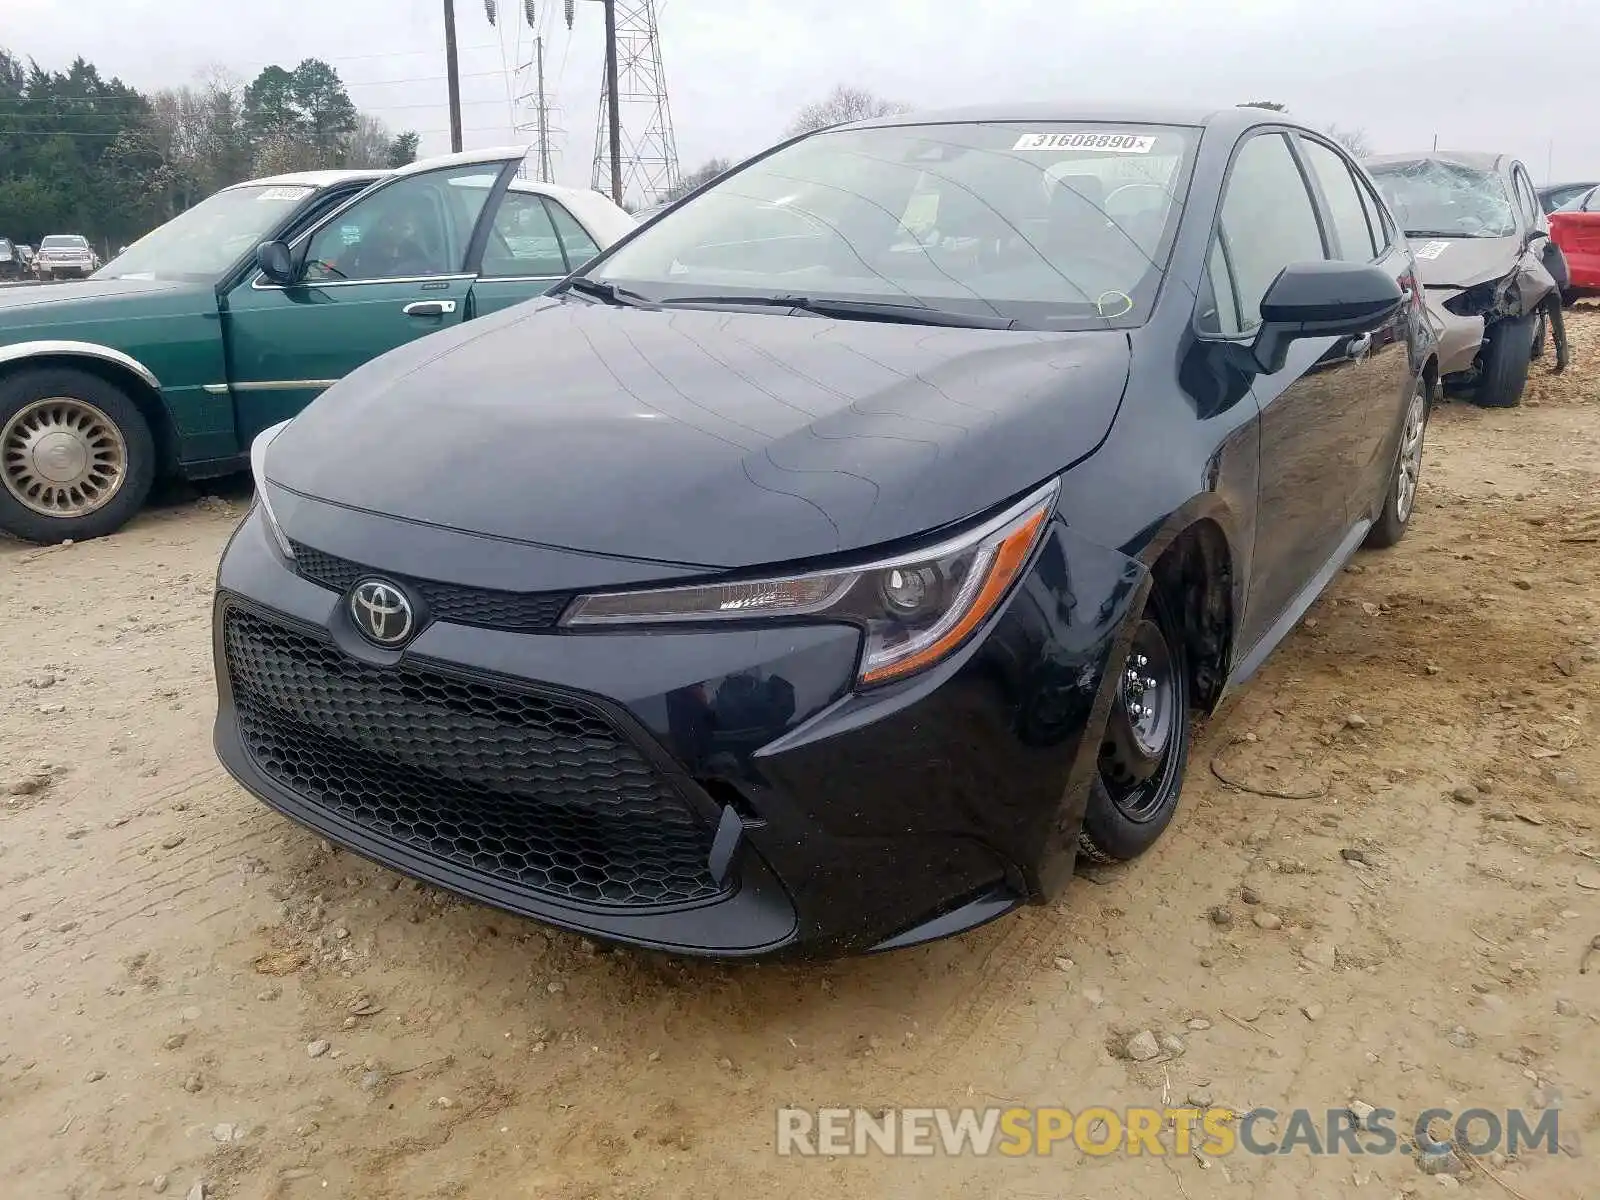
1476	74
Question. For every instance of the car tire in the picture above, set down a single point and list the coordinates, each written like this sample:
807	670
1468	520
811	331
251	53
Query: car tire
1541	328
1506	359
1136	789
1400	493
87	416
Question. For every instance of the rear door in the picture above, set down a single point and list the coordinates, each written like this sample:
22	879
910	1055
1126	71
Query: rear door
1376	382
390	267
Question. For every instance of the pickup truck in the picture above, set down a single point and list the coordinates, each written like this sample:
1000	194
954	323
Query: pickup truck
234	315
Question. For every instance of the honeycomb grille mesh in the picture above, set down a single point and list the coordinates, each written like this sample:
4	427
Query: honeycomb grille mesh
543	794
485	607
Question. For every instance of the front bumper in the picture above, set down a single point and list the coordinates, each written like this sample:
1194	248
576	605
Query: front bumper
1459	338
712	791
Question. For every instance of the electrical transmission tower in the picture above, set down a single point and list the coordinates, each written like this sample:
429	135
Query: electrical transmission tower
649	152
542	115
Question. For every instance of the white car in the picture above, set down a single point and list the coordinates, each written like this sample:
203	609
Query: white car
64	256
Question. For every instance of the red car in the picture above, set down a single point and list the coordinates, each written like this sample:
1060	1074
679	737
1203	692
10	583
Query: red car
1575	226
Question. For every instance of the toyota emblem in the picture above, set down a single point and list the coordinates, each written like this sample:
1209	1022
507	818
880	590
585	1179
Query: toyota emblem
382	613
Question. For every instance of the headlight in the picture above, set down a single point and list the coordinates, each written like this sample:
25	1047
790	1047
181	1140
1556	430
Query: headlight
258	458
916	609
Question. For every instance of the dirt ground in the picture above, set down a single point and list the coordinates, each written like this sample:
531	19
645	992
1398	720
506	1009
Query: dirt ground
172	949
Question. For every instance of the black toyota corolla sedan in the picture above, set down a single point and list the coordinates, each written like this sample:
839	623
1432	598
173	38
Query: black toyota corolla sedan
846	552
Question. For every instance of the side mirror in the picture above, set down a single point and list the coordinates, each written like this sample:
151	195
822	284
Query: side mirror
1322	299
276	262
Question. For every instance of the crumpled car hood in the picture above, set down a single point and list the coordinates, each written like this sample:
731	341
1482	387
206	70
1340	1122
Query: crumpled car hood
1463	262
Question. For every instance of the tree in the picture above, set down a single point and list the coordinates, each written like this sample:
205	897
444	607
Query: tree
368	145
703	174
270	114
80	153
298	119
1270	105
841	106
403	148
325	110
1353	140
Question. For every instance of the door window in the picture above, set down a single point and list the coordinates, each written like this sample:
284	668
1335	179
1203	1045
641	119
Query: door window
1356	241
1527	202
1268	220
1377	216
522	240
418	226
1219	306
580	247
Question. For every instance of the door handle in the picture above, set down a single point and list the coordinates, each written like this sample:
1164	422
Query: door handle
1359	346
429	308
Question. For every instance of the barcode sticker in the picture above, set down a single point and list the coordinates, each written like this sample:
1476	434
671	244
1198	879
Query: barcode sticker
1432	250
1111	143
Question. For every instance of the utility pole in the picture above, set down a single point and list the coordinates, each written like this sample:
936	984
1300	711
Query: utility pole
452	74
614	108
611	102
544	116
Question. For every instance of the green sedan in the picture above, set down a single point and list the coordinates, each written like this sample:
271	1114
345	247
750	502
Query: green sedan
236	314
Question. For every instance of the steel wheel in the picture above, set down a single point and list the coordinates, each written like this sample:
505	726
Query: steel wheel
1136	757
1411	454
63	457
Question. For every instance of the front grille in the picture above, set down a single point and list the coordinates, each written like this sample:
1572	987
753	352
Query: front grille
541	793
520	612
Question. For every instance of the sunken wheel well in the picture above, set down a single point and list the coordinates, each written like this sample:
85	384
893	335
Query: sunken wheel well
1195	573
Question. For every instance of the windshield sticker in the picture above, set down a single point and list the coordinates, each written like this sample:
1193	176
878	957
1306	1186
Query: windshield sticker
1110	143
284	193
1433	250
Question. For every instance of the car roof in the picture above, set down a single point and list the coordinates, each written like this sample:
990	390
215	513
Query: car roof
1475	160
1225	119
316	179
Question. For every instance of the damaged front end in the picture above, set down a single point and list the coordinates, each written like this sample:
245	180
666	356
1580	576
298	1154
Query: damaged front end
1465	317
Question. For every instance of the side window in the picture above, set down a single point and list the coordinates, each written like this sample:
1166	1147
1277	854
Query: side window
416	227
1377	216
1219	307
1356	243
1527	202
1268	219
522	240
575	239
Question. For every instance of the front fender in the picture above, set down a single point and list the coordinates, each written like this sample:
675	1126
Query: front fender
52	348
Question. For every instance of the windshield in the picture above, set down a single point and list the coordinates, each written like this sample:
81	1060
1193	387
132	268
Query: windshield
1053	225
62	241
206	240
1431	198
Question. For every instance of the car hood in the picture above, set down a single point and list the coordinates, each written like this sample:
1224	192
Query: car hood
708	438
86	290
1463	262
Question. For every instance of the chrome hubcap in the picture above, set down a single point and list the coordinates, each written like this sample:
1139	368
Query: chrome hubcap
1411	454
62	457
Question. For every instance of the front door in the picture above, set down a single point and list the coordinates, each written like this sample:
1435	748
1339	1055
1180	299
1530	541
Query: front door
391	267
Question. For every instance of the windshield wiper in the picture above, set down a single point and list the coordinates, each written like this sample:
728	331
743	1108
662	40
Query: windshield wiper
1450	233
858	310
608	292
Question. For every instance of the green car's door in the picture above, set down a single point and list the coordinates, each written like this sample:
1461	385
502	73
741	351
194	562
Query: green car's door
533	241
390	267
